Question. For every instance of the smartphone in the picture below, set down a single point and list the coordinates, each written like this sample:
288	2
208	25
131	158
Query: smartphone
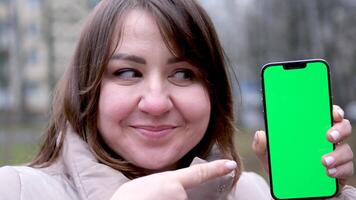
297	104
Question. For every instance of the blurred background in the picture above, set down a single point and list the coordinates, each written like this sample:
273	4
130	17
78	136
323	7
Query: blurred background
37	39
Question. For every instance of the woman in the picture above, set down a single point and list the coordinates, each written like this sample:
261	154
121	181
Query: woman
145	112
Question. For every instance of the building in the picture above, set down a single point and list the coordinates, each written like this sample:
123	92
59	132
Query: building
37	39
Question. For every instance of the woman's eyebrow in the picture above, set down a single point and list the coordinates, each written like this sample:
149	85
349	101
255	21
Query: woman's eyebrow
128	57
174	60
140	60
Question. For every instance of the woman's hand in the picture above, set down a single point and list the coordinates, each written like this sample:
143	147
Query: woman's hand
172	184
338	163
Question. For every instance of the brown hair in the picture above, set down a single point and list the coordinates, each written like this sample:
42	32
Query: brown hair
189	34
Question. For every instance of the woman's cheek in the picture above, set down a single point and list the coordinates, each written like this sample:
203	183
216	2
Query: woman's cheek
194	103
115	102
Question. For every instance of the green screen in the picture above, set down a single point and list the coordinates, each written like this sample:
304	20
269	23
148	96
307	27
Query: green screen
298	115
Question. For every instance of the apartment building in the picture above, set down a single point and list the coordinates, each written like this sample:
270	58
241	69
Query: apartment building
37	39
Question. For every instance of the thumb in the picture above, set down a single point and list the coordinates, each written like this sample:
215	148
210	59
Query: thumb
259	146
197	174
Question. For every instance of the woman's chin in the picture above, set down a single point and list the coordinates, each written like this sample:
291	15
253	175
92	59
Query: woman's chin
157	166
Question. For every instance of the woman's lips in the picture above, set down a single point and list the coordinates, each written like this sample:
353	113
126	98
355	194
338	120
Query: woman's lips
154	132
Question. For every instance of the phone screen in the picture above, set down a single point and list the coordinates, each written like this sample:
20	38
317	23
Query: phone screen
298	113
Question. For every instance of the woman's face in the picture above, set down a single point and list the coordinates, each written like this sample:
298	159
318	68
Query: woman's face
153	107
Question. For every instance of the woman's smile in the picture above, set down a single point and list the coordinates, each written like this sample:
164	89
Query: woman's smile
154	131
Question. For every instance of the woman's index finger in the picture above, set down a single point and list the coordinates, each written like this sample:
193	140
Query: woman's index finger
197	174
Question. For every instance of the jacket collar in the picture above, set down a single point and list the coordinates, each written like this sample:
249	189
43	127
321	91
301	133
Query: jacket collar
94	180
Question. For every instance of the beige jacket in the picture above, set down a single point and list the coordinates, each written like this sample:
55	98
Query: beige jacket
78	176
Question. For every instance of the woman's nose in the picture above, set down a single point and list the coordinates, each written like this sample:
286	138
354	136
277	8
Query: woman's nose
155	100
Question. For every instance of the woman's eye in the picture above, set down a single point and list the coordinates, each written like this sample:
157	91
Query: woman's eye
127	74
182	77
184	74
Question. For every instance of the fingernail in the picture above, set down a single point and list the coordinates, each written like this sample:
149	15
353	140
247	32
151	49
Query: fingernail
340	111
256	138
332	171
335	135
329	160
231	164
